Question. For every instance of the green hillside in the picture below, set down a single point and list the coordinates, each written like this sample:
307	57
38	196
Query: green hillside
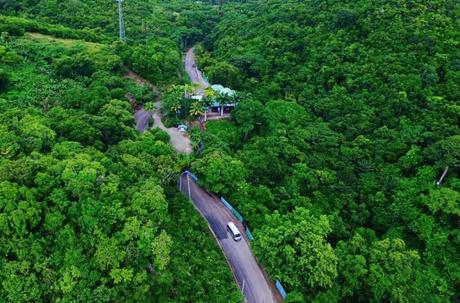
343	152
88	207
353	116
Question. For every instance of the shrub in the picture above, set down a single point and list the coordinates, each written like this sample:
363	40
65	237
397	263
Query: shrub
160	134
70	67
16	26
3	79
12	29
117	93
149	106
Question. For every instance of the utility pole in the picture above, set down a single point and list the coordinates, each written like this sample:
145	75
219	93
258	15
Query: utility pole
188	185
121	23
444	173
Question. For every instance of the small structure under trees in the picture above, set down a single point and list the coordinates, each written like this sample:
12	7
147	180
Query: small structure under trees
221	101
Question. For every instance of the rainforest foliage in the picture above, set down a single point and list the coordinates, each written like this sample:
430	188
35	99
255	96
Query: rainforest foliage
354	115
186	22
156	30
348	116
89	210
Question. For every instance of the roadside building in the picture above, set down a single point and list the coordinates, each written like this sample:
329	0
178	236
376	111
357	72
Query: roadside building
223	102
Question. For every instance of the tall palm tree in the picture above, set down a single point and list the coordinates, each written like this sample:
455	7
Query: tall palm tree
196	109
175	107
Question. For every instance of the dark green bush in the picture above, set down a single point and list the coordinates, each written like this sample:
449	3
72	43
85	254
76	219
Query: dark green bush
3	79
117	93
160	134
70	67
12	29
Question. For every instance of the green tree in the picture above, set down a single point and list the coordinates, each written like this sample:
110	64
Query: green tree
248	116
116	121
172	100
36	135
157	61
221	173
376	270
226	74
446	151
196	109
3	79
294	249
80	65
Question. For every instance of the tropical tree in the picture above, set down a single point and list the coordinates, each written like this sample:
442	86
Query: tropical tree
248	115
226	74
196	109
221	173
190	89
294	249
172	100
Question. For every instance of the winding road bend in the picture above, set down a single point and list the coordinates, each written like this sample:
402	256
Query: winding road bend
178	140
250	277
253	282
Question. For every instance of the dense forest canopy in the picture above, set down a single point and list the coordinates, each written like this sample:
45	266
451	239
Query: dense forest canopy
348	116
89	210
183	21
354	115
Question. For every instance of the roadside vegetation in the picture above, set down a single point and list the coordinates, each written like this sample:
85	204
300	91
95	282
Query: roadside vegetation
333	160
89	210
347	119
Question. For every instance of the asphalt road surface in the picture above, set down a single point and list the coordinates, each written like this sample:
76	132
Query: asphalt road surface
251	279
194	73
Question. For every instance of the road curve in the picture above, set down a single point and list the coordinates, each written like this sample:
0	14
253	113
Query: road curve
250	277
178	140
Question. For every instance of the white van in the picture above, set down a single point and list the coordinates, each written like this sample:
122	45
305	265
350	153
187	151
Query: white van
234	231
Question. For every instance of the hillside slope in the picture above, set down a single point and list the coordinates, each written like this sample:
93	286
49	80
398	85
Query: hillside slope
89	210
351	116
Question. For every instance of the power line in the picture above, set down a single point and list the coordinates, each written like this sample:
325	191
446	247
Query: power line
121	23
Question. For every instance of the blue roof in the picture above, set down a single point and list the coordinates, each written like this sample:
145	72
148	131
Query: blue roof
223	90
217	87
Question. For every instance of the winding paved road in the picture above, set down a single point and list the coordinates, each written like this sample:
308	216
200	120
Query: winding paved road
250	277
196	76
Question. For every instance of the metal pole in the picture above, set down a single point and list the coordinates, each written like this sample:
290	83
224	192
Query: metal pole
188	184
121	25
242	288
439	182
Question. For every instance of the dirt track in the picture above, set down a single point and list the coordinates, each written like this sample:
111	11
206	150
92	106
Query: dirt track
179	141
